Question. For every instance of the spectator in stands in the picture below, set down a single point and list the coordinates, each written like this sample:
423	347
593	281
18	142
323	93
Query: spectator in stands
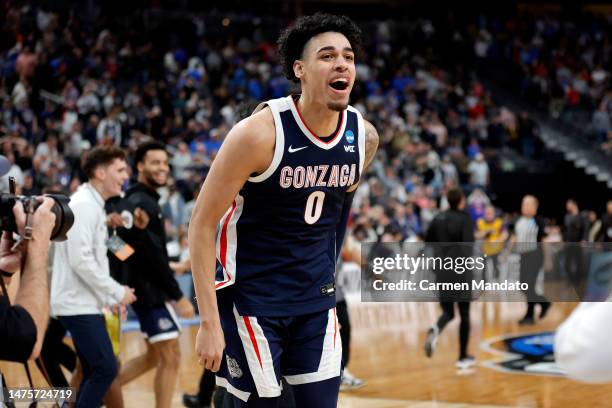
109	128
490	229
606	224
479	172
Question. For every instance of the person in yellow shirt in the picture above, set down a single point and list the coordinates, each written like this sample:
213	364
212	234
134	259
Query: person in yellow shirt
490	229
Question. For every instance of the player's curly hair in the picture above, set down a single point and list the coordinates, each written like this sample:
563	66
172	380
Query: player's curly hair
292	40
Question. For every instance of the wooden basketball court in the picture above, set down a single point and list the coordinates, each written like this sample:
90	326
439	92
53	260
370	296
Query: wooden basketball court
388	354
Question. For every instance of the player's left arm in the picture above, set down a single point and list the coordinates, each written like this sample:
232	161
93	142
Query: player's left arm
371	146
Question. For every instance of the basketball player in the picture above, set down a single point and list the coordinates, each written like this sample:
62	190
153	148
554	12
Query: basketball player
153	280
280	191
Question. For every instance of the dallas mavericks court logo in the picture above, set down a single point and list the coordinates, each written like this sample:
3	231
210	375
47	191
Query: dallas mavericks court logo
350	136
523	354
232	367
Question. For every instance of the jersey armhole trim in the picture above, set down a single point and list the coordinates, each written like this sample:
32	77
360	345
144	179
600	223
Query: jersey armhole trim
279	145
361	143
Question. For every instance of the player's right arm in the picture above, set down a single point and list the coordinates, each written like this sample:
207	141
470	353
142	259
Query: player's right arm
248	149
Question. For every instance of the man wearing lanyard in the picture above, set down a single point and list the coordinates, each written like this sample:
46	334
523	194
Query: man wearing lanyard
81	284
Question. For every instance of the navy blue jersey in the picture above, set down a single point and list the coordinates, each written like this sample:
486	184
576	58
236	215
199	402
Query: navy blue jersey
276	246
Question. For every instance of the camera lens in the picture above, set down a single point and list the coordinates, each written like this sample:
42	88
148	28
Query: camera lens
64	217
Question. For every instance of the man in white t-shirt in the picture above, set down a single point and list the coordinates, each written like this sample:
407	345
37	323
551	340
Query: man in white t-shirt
479	171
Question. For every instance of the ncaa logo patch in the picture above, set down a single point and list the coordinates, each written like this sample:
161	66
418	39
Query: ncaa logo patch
523	354
350	136
233	367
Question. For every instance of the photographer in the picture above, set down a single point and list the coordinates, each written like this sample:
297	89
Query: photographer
23	325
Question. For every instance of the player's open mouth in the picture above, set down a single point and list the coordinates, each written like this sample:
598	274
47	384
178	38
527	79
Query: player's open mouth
339	84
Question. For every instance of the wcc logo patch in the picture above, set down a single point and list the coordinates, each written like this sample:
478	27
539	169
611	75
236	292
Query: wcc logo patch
350	138
523	354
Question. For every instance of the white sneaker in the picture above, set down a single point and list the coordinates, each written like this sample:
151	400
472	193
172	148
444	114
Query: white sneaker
465	363
350	382
431	341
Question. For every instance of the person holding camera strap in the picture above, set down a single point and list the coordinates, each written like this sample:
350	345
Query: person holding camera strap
23	324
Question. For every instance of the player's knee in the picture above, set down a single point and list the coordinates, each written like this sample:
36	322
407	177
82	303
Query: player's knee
171	356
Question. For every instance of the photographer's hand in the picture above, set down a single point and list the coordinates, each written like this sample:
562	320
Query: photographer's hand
33	293
42	223
10	259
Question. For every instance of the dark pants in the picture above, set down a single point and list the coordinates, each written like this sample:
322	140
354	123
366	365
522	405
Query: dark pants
576	272
345	331
207	387
96	355
448	314
494	266
56	353
531	263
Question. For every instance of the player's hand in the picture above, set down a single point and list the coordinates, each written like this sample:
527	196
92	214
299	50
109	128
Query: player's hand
128	296
120	310
141	218
210	344
114	220
184	308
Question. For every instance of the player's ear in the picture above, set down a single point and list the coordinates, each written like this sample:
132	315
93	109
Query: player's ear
298	69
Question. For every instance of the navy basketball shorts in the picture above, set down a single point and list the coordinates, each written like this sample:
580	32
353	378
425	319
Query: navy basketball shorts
258	350
158	323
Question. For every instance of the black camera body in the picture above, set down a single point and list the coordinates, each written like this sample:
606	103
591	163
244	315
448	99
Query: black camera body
64	217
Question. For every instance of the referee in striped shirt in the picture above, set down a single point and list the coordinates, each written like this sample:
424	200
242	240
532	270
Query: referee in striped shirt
528	232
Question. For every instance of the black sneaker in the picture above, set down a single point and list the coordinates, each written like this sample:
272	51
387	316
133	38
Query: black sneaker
192	401
526	321
431	341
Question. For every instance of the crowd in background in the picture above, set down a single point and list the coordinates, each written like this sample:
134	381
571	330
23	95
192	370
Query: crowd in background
561	63
77	76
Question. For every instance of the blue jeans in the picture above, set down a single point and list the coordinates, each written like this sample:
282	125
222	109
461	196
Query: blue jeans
95	352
